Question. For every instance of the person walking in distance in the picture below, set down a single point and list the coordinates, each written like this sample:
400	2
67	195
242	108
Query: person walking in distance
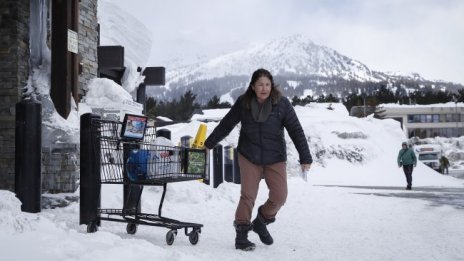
407	159
444	164
263	113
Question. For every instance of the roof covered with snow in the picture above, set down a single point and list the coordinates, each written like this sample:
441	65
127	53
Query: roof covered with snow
436	105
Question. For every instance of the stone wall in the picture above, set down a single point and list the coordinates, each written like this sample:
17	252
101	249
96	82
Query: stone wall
88	42
60	168
14	72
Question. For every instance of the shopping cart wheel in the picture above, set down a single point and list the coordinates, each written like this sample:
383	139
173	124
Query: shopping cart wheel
92	227
131	228
194	236
170	236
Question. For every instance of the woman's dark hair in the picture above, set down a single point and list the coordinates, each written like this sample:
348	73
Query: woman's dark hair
250	94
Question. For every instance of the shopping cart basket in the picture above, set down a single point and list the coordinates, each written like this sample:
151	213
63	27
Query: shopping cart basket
138	163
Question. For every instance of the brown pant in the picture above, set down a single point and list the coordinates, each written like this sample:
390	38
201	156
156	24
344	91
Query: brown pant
275	176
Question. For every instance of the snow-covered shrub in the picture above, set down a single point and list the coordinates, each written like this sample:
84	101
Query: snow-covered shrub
350	135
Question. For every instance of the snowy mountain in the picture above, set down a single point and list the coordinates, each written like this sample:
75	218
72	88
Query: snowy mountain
292	55
298	63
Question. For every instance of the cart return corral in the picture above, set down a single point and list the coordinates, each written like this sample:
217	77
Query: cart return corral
110	157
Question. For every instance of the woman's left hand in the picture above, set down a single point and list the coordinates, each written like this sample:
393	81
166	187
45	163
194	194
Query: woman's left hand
305	167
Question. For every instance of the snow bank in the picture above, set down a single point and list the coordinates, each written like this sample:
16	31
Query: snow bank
346	150
106	96
12	220
211	115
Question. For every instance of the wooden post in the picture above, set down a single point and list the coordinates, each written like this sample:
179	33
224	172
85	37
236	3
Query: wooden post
75	59
65	64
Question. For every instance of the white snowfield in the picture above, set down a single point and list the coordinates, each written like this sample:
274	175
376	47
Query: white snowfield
317	222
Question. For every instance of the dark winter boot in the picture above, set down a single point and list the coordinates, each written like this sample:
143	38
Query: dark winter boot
259	226
241	240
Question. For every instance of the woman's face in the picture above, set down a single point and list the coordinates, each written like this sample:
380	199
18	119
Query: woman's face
262	88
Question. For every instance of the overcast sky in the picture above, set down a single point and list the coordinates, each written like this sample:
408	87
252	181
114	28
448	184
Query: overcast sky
424	36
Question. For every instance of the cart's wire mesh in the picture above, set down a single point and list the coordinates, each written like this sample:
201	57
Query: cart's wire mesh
143	161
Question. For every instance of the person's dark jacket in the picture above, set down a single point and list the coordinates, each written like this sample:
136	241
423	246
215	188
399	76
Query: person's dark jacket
444	162
263	143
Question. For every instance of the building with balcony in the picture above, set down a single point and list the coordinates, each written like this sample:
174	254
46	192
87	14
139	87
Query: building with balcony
426	121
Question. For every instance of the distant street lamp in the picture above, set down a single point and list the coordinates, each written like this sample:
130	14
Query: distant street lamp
456	116
364	101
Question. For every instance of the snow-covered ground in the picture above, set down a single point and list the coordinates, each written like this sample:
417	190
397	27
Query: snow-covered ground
317	223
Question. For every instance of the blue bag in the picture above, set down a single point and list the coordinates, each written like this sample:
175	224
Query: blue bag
137	164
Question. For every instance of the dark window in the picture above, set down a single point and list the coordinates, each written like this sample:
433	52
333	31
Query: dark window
414	118
449	117
442	117
412	133
428	156
410	118
423	133
423	118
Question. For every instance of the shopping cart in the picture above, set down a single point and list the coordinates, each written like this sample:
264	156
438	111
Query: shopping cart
138	163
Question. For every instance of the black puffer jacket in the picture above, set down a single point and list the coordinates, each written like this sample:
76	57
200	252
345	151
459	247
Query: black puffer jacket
263	143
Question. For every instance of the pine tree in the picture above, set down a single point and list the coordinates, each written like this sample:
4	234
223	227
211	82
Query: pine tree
331	98
186	106
307	100
296	101
459	97
352	100
214	103
385	95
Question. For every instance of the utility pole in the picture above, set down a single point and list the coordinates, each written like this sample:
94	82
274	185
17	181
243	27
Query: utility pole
456	117
364	100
